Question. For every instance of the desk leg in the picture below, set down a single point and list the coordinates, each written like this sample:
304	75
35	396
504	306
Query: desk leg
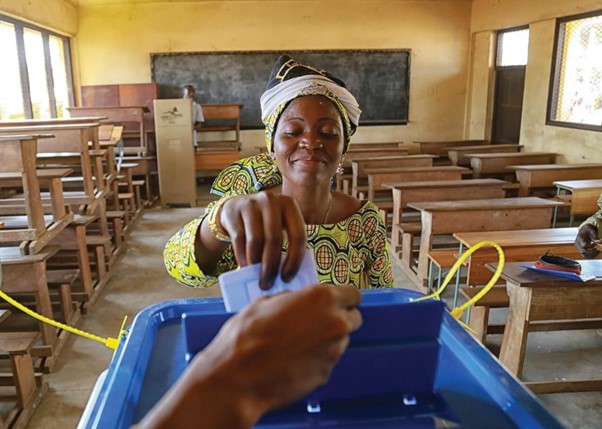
426	243
514	343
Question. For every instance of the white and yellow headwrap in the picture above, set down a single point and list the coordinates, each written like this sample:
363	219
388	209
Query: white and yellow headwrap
290	80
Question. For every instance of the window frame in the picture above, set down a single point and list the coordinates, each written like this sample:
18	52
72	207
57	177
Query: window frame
555	74
23	71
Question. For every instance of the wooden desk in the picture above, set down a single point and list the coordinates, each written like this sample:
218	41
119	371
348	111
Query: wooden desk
377	177
440	148
584	196
119	115
543	176
460	155
359	166
518	245
439	190
496	163
542	297
448	217
224	118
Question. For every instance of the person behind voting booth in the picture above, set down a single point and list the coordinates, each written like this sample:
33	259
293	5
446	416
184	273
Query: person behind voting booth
197	112
588	241
281	201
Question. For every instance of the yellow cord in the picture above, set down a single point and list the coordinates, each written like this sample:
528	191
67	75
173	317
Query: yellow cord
458	311
111	343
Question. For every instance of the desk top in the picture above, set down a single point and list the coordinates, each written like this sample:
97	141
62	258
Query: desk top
106	108
445	184
487	148
376	170
488	204
451	142
545	167
10	138
579	184
49	127
513	272
394	158
510	155
529	237
42	174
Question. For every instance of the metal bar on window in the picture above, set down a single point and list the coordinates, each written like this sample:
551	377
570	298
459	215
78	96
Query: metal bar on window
23	72
49	75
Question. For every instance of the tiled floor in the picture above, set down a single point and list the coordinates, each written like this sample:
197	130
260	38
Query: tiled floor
139	279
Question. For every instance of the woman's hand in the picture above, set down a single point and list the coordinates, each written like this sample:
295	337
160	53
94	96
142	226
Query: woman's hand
587	240
257	225
277	350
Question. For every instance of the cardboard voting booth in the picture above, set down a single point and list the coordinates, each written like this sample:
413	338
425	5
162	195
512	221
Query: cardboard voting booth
175	152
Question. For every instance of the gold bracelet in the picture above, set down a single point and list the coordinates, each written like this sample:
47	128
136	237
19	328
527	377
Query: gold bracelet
214	227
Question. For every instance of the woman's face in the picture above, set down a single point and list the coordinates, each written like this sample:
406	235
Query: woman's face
309	140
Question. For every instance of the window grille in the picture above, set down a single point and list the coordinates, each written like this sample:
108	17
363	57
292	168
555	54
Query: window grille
576	87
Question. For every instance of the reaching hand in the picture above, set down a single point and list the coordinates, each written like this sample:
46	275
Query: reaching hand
257	225
587	240
274	352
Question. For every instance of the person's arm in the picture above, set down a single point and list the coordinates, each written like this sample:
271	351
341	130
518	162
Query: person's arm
276	351
587	241
197	116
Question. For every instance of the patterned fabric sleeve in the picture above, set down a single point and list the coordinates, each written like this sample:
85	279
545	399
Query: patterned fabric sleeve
179	257
596	219
380	273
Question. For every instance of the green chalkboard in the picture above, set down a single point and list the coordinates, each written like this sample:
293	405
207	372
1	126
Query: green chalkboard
379	79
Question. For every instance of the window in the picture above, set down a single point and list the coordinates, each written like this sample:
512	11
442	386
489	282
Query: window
512	47
576	85
35	77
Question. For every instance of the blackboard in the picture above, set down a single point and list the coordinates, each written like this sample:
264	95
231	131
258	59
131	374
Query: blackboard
379	79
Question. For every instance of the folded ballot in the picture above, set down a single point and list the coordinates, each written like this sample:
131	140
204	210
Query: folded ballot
240	287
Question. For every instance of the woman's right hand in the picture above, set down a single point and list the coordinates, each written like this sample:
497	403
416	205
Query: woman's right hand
587	240
257	225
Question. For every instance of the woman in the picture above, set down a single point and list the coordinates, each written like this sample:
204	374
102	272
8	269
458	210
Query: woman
282	202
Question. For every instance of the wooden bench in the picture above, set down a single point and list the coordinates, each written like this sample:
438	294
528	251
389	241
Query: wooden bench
448	217
359	180
222	121
26	211
27	275
30	387
491	164
537	177
438	190
582	196
441	147
378	177
353	154
460	155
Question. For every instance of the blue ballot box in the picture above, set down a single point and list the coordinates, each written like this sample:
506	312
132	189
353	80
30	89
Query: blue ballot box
410	365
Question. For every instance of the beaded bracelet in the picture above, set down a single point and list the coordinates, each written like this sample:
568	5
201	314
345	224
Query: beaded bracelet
214	227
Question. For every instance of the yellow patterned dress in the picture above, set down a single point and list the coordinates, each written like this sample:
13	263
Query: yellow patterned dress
352	251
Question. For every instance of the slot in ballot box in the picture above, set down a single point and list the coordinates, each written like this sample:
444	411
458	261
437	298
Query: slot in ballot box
410	365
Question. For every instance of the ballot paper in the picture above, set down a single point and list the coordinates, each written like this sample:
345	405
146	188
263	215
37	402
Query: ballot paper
240	287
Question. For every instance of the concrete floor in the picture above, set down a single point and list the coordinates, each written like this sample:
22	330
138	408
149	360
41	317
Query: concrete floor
139	280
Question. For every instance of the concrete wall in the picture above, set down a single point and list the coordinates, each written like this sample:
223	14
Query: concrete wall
490	15
57	15
114	43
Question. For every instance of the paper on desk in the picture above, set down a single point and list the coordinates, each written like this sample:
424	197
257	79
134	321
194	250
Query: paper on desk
563	274
240	287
